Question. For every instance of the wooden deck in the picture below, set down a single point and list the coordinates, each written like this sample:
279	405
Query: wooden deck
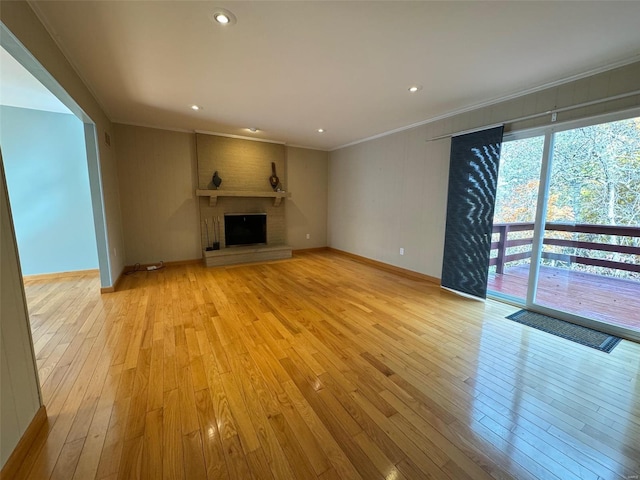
607	299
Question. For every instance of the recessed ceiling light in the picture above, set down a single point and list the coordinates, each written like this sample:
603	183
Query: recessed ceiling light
224	17
196	107
414	88
321	130
253	129
221	18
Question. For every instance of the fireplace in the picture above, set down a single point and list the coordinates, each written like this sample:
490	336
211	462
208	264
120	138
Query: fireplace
245	229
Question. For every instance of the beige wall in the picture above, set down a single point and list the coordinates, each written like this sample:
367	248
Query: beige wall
19	397
391	192
157	175
20	19
307	172
387	194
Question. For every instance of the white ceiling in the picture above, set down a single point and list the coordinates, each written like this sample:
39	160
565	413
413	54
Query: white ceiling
18	88
290	68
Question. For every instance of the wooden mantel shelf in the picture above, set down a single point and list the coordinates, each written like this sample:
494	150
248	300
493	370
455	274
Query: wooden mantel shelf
214	194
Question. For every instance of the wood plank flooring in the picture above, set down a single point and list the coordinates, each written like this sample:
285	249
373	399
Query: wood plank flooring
317	367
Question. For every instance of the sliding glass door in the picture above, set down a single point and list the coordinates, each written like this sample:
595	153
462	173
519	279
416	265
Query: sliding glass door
590	261
514	217
567	242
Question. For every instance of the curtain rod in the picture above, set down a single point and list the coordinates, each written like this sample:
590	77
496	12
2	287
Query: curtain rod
536	115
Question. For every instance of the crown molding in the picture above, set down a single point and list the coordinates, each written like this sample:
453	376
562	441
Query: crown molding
495	101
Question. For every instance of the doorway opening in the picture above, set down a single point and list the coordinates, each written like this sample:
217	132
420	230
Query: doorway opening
52	340
566	234
50	92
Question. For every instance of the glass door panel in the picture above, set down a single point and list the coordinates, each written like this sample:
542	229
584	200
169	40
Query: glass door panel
590	259
514	216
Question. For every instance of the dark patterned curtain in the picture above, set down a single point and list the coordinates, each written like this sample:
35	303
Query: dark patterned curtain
473	175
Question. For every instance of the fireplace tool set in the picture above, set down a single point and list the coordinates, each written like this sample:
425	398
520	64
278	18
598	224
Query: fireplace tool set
215	225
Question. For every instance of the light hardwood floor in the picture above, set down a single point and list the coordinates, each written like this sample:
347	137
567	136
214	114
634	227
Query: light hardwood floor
317	367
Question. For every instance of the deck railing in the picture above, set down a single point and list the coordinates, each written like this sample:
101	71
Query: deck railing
503	243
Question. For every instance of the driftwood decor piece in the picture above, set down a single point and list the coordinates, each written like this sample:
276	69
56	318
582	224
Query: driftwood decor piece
273	179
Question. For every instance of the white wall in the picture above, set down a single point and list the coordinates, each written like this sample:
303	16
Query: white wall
19	397
391	192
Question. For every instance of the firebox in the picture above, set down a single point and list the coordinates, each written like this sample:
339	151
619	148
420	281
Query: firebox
245	229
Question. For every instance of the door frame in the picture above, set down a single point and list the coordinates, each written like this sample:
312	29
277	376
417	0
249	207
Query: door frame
540	221
18	51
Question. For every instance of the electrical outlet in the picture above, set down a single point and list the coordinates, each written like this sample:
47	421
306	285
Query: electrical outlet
401	251
308	236
554	116
115	252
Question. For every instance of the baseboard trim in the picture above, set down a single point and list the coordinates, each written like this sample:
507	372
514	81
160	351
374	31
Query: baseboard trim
385	266
113	287
52	276
176	263
19	453
142	267
310	250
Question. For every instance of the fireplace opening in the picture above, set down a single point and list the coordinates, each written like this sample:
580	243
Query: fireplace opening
245	229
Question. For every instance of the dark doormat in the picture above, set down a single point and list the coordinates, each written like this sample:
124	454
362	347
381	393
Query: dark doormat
586	336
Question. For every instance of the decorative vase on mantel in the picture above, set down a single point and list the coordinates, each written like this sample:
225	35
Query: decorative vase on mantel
216	180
